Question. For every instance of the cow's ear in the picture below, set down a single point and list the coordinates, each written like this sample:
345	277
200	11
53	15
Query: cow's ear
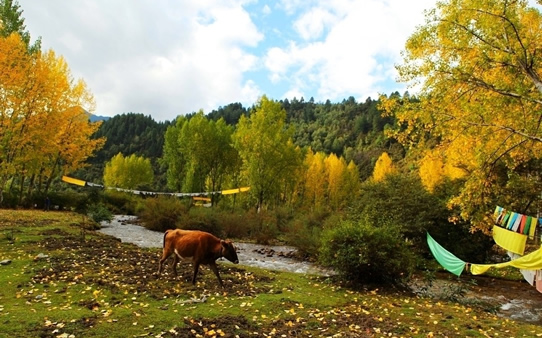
223	242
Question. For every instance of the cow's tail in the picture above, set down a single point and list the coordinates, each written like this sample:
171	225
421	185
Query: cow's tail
165	234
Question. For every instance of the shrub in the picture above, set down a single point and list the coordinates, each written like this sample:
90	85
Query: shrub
124	203
233	224
202	219
99	213
304	236
263	226
162	213
361	253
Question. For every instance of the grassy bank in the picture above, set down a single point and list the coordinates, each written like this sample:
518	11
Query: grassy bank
66	281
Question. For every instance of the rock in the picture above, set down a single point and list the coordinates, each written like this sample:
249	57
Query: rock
5	262
41	256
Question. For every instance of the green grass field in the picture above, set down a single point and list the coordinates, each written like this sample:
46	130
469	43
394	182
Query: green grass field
85	284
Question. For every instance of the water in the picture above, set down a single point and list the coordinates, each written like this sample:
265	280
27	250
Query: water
273	257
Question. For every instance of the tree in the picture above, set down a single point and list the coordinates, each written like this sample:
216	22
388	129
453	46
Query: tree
335	177
173	157
44	126
11	21
383	167
268	154
207	147
315	186
130	172
478	66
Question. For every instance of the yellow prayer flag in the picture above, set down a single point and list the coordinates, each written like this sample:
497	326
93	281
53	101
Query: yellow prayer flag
205	199
235	191
534	223
532	261
230	191
73	181
509	240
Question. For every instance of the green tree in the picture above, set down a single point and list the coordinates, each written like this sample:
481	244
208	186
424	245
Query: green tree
207	147
268	154
477	64
11	21
130	172
173	158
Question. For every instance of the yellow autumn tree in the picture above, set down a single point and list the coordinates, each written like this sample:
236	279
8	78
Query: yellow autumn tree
44	126
383	167
352	183
315	186
477	66
15	73
432	171
338	181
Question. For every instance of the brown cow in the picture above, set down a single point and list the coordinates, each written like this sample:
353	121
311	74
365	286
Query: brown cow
203	247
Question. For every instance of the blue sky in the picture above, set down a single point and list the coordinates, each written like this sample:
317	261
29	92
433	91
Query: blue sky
169	58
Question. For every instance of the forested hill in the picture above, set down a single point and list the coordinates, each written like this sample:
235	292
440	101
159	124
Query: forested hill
350	129
128	134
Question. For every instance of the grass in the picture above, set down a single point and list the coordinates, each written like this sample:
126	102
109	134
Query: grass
91	285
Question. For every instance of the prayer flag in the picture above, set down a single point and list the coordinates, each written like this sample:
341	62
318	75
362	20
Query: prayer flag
509	240
73	181
445	258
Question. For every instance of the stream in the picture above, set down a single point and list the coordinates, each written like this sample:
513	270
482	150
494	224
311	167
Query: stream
261	256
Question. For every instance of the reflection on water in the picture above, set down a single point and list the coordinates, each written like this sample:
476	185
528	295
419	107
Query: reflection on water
123	227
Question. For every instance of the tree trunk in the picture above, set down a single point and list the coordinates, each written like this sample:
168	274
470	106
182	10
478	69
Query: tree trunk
21	188
31	185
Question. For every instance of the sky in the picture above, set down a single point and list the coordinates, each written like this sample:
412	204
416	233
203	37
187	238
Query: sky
166	58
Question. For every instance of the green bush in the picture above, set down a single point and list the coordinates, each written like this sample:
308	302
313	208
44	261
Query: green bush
99	213
68	200
305	232
162	213
362	253
203	219
233	224
263	226
124	203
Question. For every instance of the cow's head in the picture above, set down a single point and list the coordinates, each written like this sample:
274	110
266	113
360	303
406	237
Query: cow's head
228	251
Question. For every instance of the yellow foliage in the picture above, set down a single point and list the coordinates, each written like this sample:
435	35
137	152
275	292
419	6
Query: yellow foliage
44	126
383	167
431	170
328	181
476	66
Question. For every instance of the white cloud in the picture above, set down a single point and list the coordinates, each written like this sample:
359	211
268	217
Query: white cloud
149	57
358	53
266	10
311	25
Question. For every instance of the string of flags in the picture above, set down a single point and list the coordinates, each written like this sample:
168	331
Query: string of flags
509	232
455	265
511	229
516	222
82	183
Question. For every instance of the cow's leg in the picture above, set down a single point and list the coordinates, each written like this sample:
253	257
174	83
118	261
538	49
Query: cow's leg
215	270
165	256
175	261
196	269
